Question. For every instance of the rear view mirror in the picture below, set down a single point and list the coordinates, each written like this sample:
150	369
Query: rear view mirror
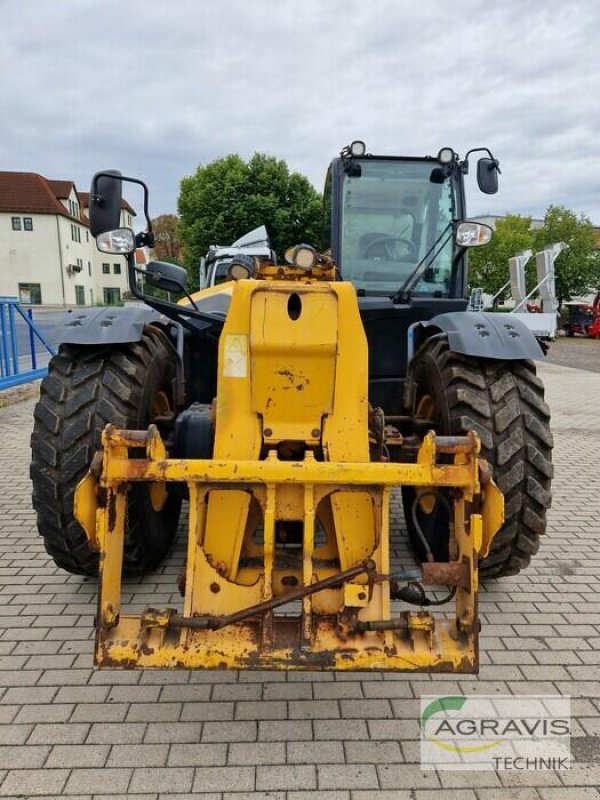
487	175
169	277
105	202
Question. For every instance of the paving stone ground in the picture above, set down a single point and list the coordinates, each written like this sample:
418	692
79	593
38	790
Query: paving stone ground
66	730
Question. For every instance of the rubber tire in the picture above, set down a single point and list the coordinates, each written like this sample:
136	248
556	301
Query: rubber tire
503	402
86	388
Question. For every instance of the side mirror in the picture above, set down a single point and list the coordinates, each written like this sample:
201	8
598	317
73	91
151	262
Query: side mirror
487	175
169	277
105	202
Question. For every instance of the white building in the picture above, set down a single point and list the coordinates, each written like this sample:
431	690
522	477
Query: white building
47	255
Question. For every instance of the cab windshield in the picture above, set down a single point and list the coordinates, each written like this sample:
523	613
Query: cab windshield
393	218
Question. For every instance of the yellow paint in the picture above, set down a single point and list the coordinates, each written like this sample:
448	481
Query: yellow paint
289	498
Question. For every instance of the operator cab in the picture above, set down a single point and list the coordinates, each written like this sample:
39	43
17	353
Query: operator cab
397	231
393	222
392	214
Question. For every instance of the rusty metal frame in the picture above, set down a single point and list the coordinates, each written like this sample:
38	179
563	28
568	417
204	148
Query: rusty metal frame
416	640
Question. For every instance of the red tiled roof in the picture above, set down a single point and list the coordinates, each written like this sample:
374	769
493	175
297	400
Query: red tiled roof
141	256
29	193
62	189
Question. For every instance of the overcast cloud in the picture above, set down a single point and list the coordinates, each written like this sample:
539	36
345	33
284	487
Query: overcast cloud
155	88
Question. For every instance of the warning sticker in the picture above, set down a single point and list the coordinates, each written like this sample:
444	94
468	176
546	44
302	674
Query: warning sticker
236	356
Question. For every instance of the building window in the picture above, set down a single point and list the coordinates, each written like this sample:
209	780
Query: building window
30	294
16	223
106	269
117	269
80	295
75	233
112	297
27	223
87	236
80	264
90	268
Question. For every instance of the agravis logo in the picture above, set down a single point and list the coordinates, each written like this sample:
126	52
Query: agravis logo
443	704
495	732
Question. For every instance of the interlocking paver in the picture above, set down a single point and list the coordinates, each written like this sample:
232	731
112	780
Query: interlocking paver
315	753
285	736
198	755
96	781
80	755
57	733
33	782
286	777
223	779
257	752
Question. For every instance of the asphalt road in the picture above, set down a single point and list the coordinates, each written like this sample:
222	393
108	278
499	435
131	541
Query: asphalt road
578	352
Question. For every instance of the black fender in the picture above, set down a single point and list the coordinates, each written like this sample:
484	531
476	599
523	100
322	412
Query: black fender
110	325
483	335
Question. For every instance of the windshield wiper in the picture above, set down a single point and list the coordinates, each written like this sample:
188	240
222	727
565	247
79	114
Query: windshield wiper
404	291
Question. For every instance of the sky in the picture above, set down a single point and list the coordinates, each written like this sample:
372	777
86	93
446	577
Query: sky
157	88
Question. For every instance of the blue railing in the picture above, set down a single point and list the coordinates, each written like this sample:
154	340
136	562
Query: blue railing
17	367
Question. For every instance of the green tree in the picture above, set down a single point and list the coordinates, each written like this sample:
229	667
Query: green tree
488	266
228	197
577	269
167	239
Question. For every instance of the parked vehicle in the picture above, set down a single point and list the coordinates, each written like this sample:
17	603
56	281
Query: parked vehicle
583	318
283	406
215	265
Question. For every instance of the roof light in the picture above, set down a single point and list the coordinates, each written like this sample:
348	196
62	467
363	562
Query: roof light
357	148
446	155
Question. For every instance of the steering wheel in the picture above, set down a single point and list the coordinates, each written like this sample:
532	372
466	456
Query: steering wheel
389	248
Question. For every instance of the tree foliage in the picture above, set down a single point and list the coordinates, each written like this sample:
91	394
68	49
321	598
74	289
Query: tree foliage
488	266
167	238
577	269
229	197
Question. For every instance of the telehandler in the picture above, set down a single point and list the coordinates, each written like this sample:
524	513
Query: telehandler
284	406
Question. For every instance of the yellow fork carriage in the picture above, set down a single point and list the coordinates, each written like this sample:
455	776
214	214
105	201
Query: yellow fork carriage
288	554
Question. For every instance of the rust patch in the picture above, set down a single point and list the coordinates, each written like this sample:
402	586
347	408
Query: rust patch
437	573
112	512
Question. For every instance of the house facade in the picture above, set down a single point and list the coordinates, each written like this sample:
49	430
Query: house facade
47	254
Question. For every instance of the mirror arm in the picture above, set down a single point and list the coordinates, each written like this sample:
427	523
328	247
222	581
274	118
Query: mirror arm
464	164
144	239
169	309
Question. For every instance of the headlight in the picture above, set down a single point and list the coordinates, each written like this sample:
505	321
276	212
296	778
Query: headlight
241	267
472	234
358	148
305	256
119	241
